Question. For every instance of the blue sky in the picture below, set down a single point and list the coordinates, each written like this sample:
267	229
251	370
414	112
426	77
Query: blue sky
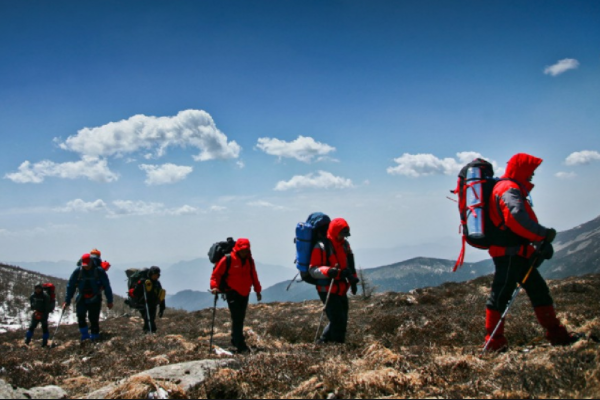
153	129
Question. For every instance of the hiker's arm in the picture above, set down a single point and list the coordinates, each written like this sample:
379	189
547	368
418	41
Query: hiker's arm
317	270
516	217
107	289
255	281
217	275
71	287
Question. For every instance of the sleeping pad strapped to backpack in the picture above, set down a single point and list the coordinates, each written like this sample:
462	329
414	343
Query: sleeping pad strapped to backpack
475	187
306	239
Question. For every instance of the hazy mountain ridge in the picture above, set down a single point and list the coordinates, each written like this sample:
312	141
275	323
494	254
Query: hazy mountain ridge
577	253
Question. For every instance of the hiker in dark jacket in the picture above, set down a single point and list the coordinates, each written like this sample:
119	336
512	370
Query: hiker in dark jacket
236	282
154	298
511	210
42	306
89	281
332	259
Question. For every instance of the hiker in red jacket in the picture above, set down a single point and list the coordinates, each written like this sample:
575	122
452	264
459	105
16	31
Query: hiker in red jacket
332	258
236	281
511	211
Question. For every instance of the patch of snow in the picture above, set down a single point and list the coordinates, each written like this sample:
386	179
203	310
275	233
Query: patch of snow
580	247
220	352
159	394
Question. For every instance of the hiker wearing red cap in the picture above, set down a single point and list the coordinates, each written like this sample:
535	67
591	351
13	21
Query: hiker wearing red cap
96	257
332	264
511	209
235	275
89	281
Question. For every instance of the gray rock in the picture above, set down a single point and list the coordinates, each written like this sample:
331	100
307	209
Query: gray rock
187	375
47	392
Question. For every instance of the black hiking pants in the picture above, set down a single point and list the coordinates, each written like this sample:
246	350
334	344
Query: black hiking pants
91	311
238	305
337	313
511	270
149	323
35	322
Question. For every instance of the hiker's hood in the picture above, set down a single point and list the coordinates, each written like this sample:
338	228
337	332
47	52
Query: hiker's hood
335	227
520	168
241	244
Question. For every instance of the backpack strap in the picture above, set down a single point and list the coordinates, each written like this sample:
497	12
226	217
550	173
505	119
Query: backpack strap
223	284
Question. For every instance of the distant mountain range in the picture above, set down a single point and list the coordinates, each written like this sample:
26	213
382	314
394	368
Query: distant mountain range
577	253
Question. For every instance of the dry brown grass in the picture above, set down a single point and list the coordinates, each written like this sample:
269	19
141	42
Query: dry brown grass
423	344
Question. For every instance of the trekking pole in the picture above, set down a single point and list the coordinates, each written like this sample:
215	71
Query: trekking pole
58	325
147	309
292	281
514	296
324	308
212	328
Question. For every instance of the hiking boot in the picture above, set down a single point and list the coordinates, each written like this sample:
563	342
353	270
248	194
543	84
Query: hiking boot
28	337
45	339
499	343
556	333
85	334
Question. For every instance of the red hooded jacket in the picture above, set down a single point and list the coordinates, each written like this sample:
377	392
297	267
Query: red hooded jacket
242	273
510	209
320	264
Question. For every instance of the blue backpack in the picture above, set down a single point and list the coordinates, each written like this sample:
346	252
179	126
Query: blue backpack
305	242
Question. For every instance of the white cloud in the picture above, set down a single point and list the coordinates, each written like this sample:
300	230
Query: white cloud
566	175
185	210
92	168
303	149
193	128
265	204
165	174
123	208
217	208
561	67
582	157
324	180
79	205
418	165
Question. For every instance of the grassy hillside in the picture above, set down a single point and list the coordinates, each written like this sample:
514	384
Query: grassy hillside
424	344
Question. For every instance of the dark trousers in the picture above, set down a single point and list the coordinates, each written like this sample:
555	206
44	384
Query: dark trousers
337	313
91	311
35	322
238	305
510	270
149	323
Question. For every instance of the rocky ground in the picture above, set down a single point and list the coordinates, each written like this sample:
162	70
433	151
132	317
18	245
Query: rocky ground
400	345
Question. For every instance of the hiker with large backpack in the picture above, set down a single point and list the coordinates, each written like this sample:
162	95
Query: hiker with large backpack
235	275
333	271
42	302
89	281
151	297
96	258
498	215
